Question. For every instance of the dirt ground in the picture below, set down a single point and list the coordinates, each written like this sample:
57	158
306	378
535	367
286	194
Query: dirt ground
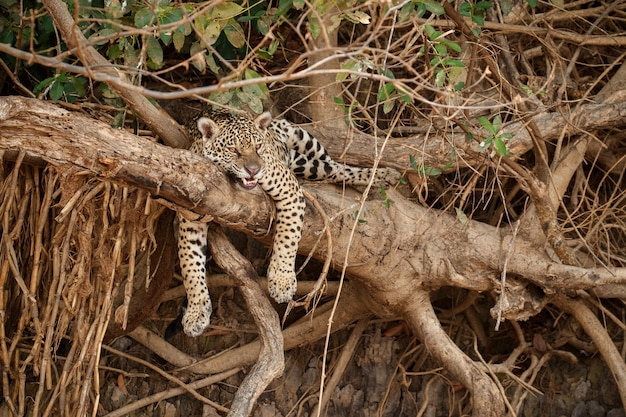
389	373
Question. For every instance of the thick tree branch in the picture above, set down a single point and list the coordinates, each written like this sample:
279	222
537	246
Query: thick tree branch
271	360
435	151
160	122
430	242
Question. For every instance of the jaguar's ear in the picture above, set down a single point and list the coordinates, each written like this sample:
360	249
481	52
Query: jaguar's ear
207	127
263	120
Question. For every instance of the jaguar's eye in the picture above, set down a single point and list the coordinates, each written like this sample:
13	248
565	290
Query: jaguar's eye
232	149
258	146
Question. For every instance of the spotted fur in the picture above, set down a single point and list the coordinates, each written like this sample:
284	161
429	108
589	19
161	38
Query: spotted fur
266	153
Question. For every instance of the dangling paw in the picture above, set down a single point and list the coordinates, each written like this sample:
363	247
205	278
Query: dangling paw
282	286
197	316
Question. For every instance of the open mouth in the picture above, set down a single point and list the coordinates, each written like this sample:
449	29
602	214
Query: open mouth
248	183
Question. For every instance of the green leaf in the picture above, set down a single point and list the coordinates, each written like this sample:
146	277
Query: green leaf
56	90
283	7
428	171
412	162
431	32
452	45
210	62
210	33
255	104
357	16
315	27
479	20
434	171
485	144
497	123
440	78
154	50
461	216
103	33
465	9
198	60
226	10
406	12
441	49
484	5
222	97
185	29
348	65
451	62
388	106
500	146
274	46
114	51
459	86
179	40
170	15
385	92
506	6
79	85
42	85
165	37
383	192
532	3
235	35
433	7
527	90
144	17
487	125
250	75
436	61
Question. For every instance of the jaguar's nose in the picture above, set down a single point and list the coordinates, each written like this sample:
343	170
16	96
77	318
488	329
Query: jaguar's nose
252	169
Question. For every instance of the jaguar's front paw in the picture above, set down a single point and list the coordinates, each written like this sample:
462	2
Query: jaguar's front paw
282	287
197	317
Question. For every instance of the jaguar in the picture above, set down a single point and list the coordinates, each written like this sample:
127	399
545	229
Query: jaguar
271	154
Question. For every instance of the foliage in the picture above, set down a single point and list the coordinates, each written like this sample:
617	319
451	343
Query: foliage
495	137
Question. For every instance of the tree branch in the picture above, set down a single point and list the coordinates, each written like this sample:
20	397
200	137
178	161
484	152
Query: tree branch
271	361
158	121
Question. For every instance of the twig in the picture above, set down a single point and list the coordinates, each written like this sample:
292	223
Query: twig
341	365
596	331
164	395
503	296
168	376
321	280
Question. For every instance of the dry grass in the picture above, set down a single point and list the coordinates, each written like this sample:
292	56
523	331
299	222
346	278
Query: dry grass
68	243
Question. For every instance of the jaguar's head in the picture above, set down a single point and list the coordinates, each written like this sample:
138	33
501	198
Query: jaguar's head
236	143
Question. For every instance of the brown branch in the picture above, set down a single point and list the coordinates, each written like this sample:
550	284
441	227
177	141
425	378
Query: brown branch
487	400
158	121
307	330
597	332
428	149
48	134
271	361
